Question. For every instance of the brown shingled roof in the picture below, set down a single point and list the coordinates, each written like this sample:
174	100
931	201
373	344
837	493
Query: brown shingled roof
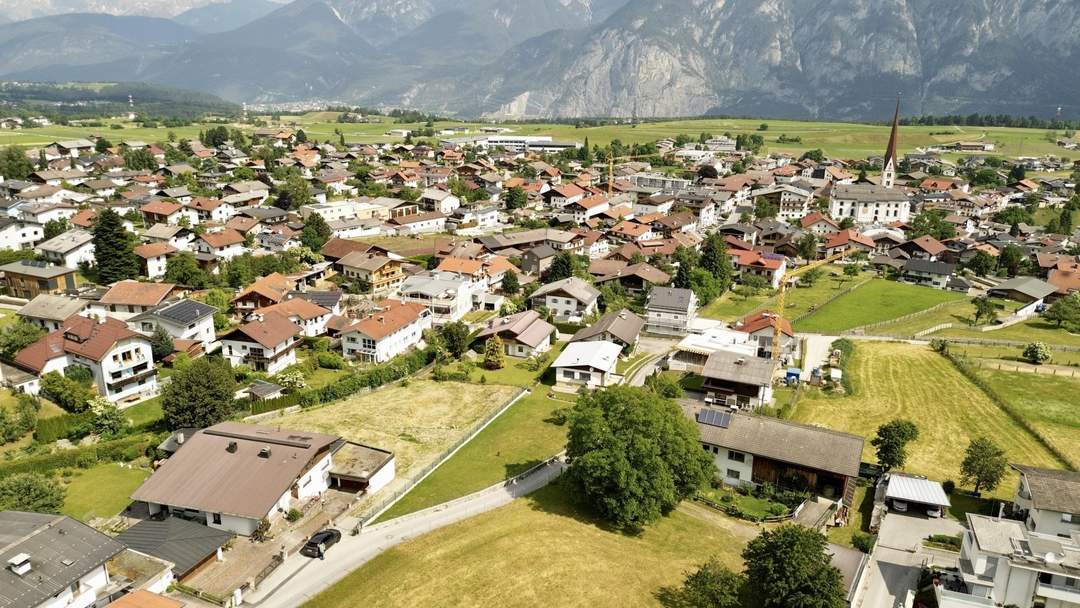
394	316
271	331
79	335
136	293
153	250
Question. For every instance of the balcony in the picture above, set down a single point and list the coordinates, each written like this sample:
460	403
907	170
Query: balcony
1058	592
957	599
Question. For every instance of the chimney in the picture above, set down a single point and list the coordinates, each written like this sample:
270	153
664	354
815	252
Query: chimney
232	447
180	438
265	452
740	361
20	564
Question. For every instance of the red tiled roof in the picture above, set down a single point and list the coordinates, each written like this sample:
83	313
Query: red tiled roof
296	307
160	208
394	316
221	239
83	336
153	250
765	318
271	331
136	293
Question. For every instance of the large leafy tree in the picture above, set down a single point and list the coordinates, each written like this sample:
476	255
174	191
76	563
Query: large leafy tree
1066	312
789	567
293	194
18	336
984	464
712	585
161	343
564	266
455	336
891	442
31	492
316	232
633	455
1013	259
199	395
982	263
14	163
114	248
932	222
184	269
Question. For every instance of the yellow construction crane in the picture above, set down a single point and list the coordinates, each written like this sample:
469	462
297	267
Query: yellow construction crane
782	295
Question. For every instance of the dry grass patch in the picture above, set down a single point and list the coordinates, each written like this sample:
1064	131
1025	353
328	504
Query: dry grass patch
908	381
416	422
540	551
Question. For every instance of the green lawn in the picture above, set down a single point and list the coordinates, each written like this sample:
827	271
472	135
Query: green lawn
801	300
731	307
876	301
960	312
144	413
541	551
750	505
858	519
522	437
515	370
1050	403
1035	329
322	376
101	491
894	380
7	317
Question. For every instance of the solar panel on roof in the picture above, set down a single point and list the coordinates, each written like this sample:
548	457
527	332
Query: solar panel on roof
714	418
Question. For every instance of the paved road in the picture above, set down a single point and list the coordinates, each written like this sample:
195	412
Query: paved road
300	578
656	348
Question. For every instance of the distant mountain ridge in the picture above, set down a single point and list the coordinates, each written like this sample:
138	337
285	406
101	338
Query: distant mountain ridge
845	59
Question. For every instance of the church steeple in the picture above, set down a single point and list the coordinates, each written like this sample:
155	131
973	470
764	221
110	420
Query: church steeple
888	166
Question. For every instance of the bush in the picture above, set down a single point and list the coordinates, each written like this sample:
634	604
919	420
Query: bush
330	360
939	345
105	451
863	541
66	392
949	486
65	426
953	542
293	515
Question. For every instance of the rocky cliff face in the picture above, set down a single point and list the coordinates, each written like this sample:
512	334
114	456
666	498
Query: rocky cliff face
829	58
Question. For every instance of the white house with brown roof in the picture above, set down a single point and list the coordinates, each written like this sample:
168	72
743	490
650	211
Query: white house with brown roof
225	244
265	345
154	257
307	315
119	359
523	334
392	330
127	298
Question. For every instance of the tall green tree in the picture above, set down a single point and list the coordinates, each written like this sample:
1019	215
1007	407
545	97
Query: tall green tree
932	222
31	492
1013	259
56	227
712	585
14	163
493	353
161	343
715	259
510	283
984	464
808	246
183	269
564	266
891	442
1065	312
114	248
199	395
140	159
985	309
18	336
982	263
293	194
316	232
455	336
682	278
515	198
633	455
790	567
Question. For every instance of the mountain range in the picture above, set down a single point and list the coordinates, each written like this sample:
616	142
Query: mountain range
846	59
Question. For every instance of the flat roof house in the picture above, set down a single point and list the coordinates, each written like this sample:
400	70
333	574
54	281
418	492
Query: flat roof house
52	561
232	475
749	450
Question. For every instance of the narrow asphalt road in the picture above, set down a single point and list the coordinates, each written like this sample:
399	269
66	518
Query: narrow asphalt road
300	578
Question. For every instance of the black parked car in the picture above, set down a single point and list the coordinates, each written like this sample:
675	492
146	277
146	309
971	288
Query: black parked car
320	542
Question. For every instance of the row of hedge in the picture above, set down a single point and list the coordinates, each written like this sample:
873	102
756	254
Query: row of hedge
965	368
64	426
124	449
847	351
397	368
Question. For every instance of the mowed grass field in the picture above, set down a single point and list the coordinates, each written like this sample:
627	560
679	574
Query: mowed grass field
844	140
541	551
1050	403
1035	329
799	301
101	491
416	422
521	438
894	380
876	301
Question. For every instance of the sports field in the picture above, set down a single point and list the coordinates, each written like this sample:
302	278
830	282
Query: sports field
541	551
876	301
843	140
894	380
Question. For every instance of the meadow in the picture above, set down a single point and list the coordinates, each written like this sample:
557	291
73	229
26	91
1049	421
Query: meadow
875	301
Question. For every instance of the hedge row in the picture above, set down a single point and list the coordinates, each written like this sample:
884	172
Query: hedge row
397	368
964	368
117	450
847	351
62	427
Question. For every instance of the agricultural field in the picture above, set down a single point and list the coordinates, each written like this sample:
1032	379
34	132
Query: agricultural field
1034	329
101	491
1050	403
894	380
416	422
541	550
875	301
522	437
989	355
844	140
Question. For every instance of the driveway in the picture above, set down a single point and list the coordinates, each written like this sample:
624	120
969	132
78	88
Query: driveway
816	353
655	348
299	579
904	531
